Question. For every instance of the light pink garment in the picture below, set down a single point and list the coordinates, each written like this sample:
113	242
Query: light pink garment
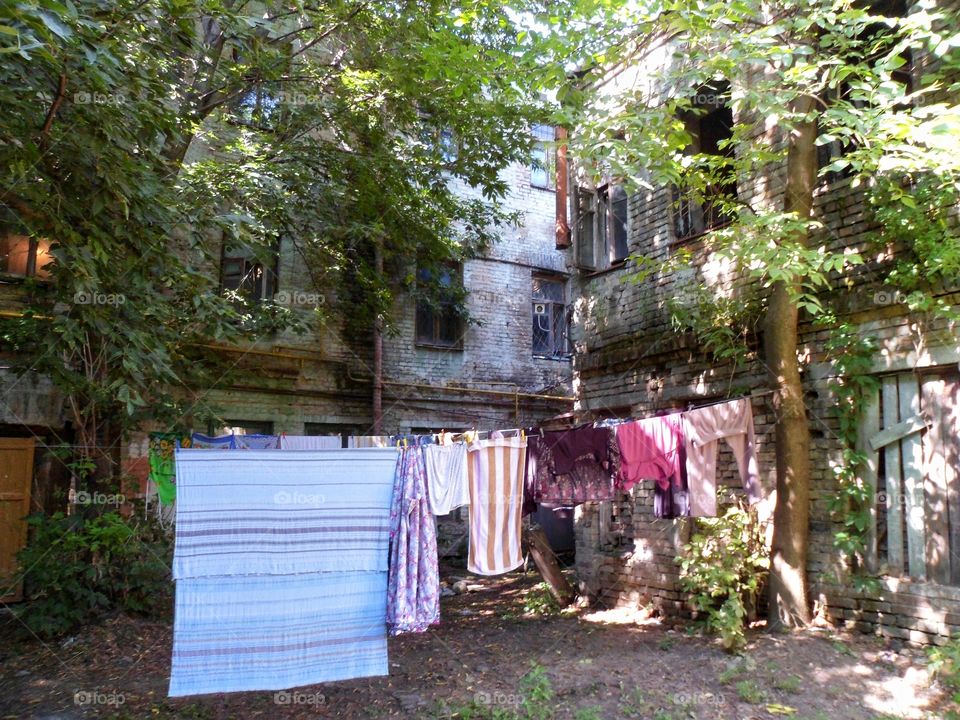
703	429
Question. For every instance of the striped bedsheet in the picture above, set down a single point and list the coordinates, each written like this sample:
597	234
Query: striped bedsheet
280	561
262	512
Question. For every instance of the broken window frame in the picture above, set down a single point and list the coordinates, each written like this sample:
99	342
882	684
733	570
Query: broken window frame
258	280
692	216
602	230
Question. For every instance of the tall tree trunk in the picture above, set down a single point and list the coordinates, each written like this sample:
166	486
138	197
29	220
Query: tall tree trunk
789	604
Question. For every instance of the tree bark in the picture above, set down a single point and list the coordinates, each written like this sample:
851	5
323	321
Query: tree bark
789	605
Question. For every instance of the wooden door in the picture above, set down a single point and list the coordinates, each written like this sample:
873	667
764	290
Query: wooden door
16	472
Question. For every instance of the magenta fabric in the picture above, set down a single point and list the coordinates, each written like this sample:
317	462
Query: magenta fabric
413	583
651	449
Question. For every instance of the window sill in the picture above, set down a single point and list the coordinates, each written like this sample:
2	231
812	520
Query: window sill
618	265
554	358
434	346
543	187
690	239
13	278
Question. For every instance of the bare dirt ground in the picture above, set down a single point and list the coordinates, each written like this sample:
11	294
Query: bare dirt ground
592	664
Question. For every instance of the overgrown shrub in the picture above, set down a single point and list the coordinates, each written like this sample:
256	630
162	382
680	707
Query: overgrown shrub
945	666
724	566
75	569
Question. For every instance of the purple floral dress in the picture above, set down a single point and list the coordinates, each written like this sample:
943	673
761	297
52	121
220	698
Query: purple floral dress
413	584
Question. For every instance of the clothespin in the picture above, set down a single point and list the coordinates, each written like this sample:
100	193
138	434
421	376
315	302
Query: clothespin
398	444
404	442
523	435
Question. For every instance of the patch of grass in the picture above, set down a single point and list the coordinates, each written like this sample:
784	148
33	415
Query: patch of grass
731	673
749	691
843	649
634	704
788	683
589	713
539	601
665	644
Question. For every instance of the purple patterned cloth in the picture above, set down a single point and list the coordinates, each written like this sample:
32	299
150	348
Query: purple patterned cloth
413	585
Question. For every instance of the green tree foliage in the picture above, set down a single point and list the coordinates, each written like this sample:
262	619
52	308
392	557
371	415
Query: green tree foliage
796	76
141	138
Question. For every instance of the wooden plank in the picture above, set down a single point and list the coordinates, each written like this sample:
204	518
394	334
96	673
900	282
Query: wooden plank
935	487
869	426
950	432
893	480
547	564
911	425
912	454
16	473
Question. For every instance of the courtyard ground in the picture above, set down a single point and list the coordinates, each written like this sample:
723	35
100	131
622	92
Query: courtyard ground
489	658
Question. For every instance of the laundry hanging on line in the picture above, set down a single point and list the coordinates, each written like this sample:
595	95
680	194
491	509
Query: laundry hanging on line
280	563
495	477
413	586
310	442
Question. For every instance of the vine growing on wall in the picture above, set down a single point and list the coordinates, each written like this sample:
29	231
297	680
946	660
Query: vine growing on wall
852	355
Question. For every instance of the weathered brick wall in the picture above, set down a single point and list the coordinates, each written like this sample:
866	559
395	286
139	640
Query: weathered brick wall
629	359
497	348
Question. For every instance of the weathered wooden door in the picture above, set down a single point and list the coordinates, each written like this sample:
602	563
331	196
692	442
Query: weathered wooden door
916	430
16	472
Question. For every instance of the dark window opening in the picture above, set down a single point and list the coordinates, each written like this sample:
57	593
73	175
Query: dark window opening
602	226
248	276
344	432
439	322
710	125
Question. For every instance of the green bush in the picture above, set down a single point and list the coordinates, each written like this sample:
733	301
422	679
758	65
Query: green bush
75	569
945	666
724	565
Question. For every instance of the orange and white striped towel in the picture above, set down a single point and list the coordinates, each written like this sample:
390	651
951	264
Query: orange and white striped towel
495	470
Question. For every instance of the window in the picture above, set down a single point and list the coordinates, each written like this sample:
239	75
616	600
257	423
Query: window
242	272
550	327
710	124
25	256
439	322
877	39
602	225
543	165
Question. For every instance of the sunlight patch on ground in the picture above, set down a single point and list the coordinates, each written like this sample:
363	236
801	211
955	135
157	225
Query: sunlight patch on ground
622	616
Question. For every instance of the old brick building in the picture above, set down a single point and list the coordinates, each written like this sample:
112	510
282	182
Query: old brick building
630	359
507	366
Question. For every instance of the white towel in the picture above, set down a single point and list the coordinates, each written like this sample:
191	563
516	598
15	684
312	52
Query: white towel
310	442
447	477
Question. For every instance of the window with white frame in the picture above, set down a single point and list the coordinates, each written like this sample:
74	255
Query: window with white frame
543	160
